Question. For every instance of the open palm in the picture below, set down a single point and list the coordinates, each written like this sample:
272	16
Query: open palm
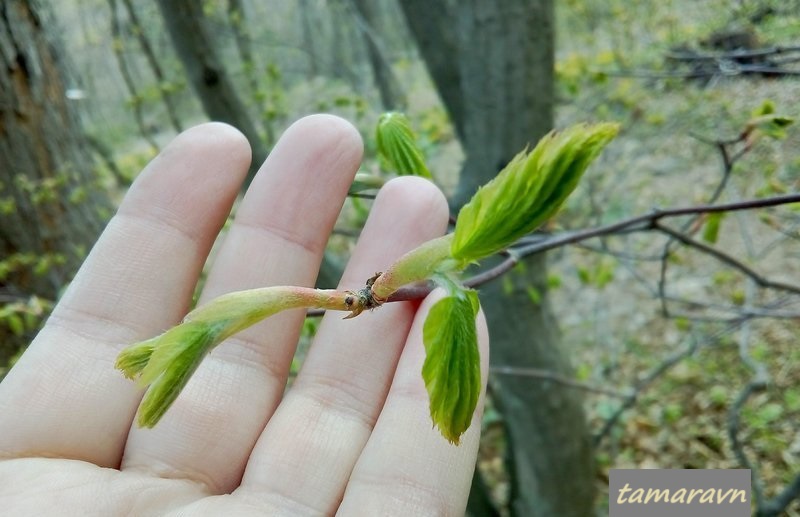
351	436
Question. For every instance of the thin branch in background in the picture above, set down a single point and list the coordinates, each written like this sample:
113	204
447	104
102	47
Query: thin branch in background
604	249
727	259
776	506
728	162
652	74
236	18
360	195
714	64
734	54
347	232
122	62
734	416
758	383
364	14
790	233
547	375
640	386
166	95
107	156
738	313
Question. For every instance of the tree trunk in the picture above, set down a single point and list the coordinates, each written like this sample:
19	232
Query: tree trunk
433	25
385	80
500	96
52	204
194	44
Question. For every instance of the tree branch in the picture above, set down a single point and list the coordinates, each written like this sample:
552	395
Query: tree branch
634	224
644	222
727	259
538	373
737	446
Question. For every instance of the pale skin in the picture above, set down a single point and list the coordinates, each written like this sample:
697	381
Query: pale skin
352	437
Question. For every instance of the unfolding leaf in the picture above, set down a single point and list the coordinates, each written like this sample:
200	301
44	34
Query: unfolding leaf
398	145
766	120
452	370
173	357
164	363
527	191
773	126
765	108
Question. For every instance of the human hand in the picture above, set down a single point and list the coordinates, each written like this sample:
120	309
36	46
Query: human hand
353	434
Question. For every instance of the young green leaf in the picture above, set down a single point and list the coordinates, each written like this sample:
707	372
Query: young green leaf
773	126
765	108
452	371
527	191
766	120
132	360
175	355
165	363
713	223
398	145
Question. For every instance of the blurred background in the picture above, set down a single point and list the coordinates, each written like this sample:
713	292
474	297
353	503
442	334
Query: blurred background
671	346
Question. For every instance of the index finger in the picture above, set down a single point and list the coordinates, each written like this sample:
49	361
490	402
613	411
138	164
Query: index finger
64	398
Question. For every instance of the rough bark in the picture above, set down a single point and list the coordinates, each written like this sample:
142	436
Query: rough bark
194	44
366	15
53	205
500	96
